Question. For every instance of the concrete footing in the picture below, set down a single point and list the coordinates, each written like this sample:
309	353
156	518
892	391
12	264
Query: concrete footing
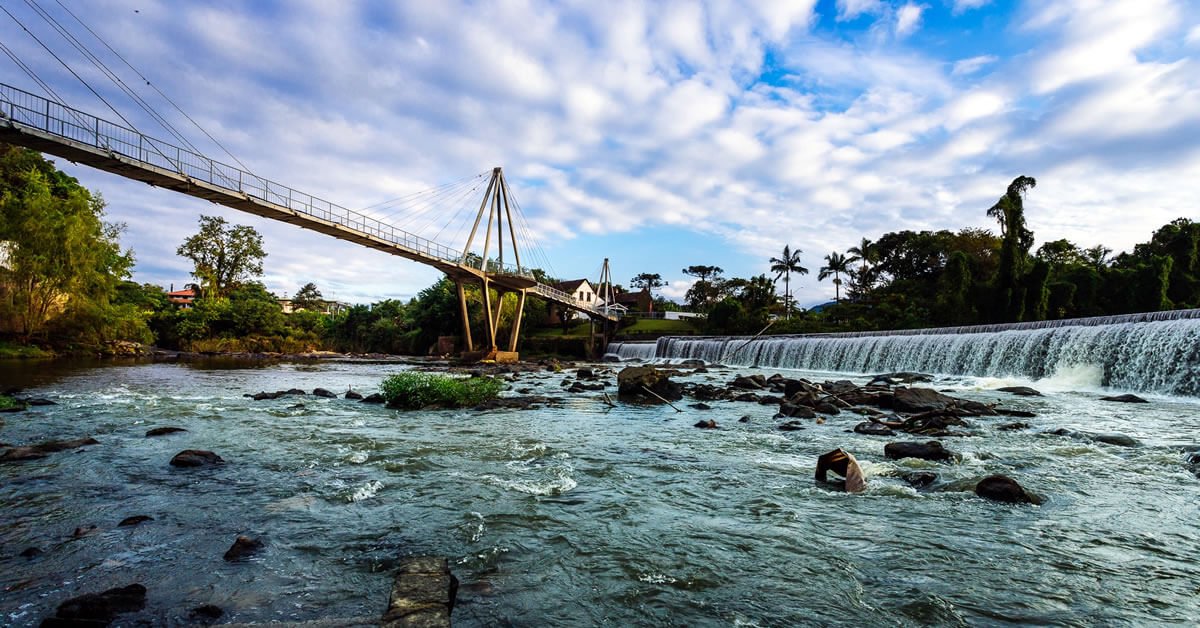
422	594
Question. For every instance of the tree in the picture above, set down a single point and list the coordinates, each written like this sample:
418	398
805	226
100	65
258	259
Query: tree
784	267
1015	243
865	253
60	255
708	287
224	255
835	264
308	298
648	282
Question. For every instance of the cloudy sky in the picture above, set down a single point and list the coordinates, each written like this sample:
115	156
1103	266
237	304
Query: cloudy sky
658	134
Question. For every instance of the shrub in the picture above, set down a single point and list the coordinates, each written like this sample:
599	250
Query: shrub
413	390
8	403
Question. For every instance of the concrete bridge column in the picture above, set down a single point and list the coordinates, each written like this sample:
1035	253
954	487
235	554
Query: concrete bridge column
466	320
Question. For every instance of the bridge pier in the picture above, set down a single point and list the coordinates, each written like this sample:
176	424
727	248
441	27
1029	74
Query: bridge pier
466	319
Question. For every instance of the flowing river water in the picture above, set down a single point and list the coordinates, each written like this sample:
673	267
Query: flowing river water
586	514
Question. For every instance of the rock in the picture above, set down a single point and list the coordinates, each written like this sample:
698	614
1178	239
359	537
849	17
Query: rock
163	431
21	454
30	553
751	382
243	547
350	394
824	407
744	419
196	458
634	381
38	401
920	479
1126	398
99	609
1002	488
1119	440
84	530
584	374
293	391
700	406
373	398
707	425
1008	427
610	358
207	612
768	400
796	411
1022	391
874	429
262	396
692	363
920	400
423	594
901	377
746	397
790	426
843	464
63	445
134	520
931	450
321	392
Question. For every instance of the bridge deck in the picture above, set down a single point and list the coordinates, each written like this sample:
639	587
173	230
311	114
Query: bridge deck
51	127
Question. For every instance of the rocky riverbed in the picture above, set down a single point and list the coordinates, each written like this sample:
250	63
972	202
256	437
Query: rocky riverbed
588	496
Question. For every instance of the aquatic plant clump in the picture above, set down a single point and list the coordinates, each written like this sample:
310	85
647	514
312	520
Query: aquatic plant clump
8	403
413	391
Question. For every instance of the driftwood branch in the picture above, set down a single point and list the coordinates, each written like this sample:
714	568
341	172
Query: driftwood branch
660	398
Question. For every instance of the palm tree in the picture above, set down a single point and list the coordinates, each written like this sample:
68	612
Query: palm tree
835	264
785	266
866	253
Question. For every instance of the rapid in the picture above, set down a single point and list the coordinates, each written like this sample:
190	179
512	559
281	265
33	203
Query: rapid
585	513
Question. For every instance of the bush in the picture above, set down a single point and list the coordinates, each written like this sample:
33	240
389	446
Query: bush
7	403
413	391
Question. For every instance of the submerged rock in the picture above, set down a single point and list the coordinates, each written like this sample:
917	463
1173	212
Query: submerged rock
243	547
874	429
163	431
707	425
135	520
321	392
931	450
41	450
350	394
790	426
196	458
206	613
920	479
98	609
1002	488
1120	440
1126	398
373	398
1022	391
31	553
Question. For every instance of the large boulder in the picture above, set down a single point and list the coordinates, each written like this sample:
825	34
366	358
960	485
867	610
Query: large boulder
1002	488
931	450
920	400
633	382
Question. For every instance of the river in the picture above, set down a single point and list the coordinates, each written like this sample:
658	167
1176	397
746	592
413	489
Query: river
586	514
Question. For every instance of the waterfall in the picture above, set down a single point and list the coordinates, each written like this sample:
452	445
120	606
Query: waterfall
633	350
1156	352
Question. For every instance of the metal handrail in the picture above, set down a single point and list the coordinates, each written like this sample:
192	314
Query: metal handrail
19	107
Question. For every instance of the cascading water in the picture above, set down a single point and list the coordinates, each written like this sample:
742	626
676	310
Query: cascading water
1157	352
633	350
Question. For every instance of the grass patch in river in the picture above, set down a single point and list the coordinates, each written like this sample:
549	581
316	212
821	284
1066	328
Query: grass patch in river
412	391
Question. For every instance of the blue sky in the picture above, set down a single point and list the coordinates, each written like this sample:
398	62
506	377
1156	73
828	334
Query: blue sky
660	135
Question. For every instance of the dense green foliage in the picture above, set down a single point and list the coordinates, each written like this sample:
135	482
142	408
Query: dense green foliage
7	403
61	262
413	391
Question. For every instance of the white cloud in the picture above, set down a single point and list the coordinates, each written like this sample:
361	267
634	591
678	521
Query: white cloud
966	67
908	19
962	6
851	9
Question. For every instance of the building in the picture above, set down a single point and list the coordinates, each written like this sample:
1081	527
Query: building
183	299
581	289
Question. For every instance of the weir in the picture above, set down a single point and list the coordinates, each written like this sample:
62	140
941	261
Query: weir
1155	352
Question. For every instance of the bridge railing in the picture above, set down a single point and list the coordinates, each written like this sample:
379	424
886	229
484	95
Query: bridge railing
56	119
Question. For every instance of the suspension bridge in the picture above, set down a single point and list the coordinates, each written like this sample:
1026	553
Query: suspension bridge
52	127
